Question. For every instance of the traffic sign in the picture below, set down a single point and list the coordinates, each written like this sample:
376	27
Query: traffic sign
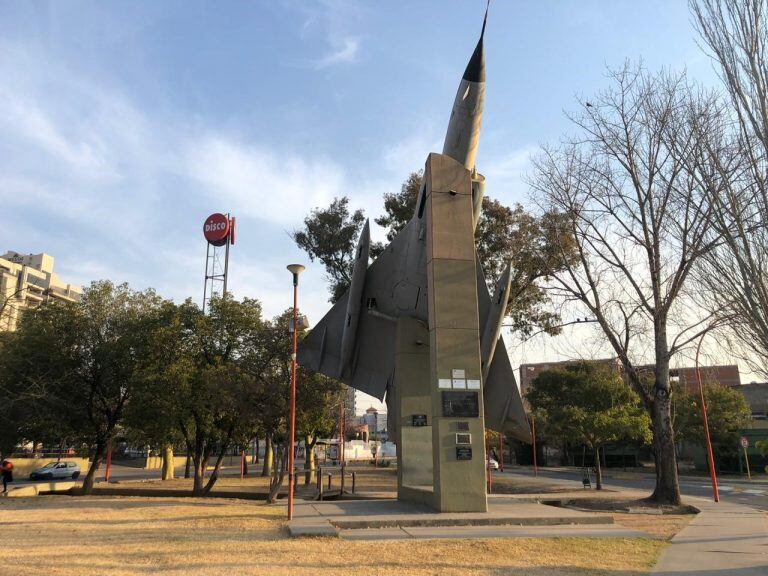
744	442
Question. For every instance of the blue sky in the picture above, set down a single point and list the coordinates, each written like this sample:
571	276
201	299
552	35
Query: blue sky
124	124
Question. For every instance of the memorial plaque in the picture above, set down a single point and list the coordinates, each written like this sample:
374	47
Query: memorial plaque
419	420
463	453
463	404
462	426
463	438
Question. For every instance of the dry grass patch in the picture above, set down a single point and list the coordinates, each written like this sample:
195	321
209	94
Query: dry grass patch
368	479
190	536
663	526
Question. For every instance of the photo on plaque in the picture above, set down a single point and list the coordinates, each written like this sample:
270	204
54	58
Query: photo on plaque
462	404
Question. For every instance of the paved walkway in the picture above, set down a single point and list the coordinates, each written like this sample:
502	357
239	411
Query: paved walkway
396	520
724	540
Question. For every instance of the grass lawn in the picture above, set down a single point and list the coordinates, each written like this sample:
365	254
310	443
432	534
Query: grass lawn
134	535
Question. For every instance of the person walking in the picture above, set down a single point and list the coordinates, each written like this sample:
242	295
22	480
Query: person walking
7	471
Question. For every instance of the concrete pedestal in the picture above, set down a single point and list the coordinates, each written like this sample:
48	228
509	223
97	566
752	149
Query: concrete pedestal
438	371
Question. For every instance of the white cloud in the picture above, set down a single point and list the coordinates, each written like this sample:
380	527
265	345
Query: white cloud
344	53
505	174
410	153
262	183
28	121
330	22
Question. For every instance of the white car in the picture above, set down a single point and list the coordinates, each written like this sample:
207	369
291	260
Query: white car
492	464
56	470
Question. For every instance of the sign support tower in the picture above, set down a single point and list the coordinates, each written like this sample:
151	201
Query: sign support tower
219	232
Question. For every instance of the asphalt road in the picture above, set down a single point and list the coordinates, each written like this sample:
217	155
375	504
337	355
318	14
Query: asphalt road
118	472
736	490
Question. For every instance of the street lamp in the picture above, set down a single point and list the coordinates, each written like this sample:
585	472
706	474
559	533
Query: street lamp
295	270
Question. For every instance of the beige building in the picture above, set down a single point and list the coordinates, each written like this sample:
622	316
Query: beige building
26	280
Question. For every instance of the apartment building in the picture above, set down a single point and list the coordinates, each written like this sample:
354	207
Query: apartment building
27	280
726	375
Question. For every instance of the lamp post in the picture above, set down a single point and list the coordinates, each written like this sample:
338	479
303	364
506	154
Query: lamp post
295	270
710	456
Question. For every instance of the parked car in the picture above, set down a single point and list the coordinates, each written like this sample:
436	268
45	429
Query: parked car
54	470
493	464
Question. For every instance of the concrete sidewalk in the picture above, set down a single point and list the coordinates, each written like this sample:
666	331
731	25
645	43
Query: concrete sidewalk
723	540
396	520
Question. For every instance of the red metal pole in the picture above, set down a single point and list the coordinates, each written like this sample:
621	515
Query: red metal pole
108	471
501	451
343	431
710	456
533	433
338	444
292	434
488	465
242	464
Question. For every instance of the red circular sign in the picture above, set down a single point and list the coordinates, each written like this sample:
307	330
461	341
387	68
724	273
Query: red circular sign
216	229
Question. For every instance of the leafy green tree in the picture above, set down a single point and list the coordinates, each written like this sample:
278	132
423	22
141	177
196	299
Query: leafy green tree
727	415
111	328
218	395
537	246
39	400
589	404
330	236
317	397
399	207
150	417
200	381
78	364
272	368
762	447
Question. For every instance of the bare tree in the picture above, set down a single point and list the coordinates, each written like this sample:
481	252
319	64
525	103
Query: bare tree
640	223
7	306
735	273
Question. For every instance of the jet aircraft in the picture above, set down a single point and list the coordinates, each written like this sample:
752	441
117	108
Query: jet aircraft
355	341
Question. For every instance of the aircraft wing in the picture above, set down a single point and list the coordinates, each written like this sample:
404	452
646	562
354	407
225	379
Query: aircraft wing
388	292
373	362
504	411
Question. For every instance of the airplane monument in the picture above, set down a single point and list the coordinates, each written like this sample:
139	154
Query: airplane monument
419	327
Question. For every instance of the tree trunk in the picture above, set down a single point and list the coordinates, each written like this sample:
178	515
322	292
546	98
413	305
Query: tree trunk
168	462
101	447
278	473
187	462
266	469
309	459
215	474
201	462
598	470
256	452
667	487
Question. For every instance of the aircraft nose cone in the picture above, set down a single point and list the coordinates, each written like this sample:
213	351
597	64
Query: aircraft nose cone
475	71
